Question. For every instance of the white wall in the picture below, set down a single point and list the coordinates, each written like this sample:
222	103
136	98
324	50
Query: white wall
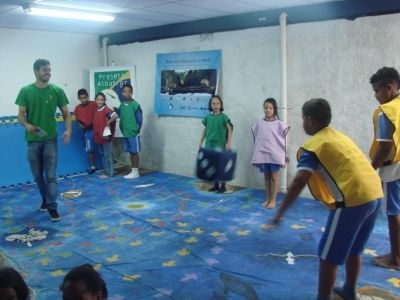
335	60
331	59
250	73
70	55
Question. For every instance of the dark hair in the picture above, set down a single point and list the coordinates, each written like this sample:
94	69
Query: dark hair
220	100
10	278
82	92
385	76
86	275
101	94
319	110
273	103
41	62
127	85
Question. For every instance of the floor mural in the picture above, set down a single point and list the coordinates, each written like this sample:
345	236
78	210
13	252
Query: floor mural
162	237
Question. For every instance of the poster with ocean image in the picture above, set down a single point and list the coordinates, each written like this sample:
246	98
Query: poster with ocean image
185	82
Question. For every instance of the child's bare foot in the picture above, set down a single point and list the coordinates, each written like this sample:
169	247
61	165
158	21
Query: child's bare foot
385	261
270	203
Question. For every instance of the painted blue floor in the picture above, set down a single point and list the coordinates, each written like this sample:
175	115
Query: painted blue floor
172	241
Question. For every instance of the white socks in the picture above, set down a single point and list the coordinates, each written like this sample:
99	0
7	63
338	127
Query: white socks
133	174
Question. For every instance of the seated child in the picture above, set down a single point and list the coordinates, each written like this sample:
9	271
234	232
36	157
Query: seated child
83	282
12	285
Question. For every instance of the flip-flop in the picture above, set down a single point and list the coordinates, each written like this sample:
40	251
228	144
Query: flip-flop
384	262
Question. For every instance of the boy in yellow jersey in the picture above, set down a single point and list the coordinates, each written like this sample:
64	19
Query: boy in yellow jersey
341	177
385	155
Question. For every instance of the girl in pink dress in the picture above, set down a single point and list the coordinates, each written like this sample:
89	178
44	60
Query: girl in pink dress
269	153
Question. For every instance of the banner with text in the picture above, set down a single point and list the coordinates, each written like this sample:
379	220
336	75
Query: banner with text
186	81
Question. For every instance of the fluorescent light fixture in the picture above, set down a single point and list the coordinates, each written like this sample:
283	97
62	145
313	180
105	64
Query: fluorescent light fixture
69	14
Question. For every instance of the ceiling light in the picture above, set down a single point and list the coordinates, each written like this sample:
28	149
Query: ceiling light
68	14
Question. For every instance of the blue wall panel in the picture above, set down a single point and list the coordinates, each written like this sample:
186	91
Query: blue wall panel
15	168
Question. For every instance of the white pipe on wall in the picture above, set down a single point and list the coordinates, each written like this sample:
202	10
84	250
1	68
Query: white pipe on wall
104	43
282	22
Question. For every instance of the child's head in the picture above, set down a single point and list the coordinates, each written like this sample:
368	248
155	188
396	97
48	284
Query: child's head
100	99
270	108
12	285
83	96
215	104
316	115
83	283
127	91
385	83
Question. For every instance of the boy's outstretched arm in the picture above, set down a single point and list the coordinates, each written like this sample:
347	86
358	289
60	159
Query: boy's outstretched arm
296	186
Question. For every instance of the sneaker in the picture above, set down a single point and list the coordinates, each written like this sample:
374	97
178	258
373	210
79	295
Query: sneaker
92	171
222	189
132	175
214	188
54	216
43	207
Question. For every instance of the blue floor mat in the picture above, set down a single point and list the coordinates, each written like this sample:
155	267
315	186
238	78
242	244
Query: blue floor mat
160	237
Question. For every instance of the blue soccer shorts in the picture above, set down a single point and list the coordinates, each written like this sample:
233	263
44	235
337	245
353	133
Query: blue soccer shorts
347	231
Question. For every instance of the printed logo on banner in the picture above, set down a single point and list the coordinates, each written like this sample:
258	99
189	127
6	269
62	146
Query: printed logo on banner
186	81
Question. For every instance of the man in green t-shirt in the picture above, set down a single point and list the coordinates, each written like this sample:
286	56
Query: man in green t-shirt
38	103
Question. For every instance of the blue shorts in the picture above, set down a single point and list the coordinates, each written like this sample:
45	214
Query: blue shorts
132	144
392	197
89	141
268	168
347	231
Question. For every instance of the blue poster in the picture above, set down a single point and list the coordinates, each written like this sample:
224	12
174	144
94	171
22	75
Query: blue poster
185	82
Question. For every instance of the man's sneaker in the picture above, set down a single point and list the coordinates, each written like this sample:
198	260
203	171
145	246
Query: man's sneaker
54	216
92	171
222	189
43	207
214	188
132	175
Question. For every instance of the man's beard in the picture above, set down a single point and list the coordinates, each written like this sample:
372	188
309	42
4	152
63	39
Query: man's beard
44	79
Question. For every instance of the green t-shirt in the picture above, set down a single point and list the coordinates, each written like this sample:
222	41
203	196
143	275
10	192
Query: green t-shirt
216	131
41	105
128	123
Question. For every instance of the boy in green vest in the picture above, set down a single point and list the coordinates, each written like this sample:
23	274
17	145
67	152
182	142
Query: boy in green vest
385	155
131	120
341	177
